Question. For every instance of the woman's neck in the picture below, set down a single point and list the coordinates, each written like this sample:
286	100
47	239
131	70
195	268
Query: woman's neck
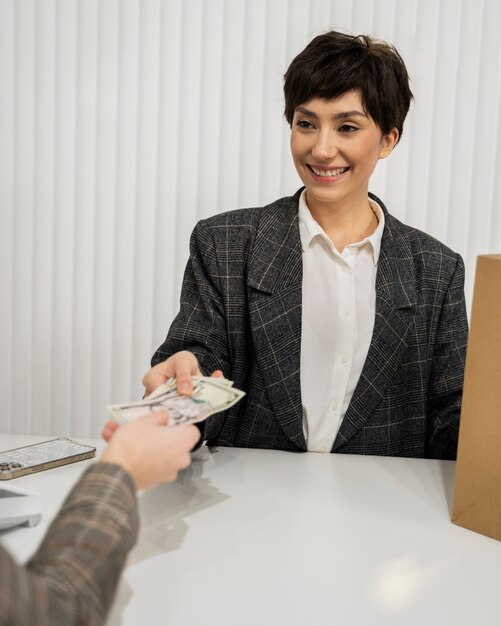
345	224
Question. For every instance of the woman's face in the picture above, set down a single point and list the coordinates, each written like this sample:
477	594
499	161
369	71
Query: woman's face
335	146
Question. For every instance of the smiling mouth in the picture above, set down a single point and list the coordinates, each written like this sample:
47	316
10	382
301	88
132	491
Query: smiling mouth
329	173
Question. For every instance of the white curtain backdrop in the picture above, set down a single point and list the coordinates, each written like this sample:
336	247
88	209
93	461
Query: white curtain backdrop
123	122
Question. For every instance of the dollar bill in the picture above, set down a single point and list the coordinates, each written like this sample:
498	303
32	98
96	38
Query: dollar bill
209	396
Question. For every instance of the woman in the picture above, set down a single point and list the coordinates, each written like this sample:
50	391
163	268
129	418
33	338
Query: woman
346	328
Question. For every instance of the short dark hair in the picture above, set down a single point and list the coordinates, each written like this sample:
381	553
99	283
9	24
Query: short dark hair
334	63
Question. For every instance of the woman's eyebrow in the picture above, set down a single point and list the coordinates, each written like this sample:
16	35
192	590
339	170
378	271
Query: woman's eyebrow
338	116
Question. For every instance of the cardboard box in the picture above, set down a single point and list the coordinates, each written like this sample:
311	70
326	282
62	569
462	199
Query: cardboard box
477	489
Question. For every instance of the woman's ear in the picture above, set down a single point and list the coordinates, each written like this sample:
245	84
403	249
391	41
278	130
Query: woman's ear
388	142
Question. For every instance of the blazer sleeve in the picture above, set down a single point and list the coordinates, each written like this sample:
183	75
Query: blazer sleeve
447	370
73	576
201	324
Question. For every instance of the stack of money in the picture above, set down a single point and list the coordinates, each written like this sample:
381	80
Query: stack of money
209	396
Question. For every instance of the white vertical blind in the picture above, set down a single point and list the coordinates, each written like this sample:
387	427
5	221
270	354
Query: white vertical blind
123	122
7	200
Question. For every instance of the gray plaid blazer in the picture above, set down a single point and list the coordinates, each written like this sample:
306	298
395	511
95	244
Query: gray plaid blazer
241	313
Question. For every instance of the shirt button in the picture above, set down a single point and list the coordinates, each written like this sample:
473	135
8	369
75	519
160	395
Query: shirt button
343	358
347	313
334	406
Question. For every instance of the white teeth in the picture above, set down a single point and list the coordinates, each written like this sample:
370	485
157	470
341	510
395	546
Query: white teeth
338	172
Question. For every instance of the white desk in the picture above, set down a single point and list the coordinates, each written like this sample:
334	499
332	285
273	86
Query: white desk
261	538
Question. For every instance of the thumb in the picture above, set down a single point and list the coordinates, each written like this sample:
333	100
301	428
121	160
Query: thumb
186	366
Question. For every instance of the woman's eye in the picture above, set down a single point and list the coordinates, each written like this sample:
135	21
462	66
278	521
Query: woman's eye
304	124
347	128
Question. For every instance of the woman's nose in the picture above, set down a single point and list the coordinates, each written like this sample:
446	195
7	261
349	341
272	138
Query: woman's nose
325	147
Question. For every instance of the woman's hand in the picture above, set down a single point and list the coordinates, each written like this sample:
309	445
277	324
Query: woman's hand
181	366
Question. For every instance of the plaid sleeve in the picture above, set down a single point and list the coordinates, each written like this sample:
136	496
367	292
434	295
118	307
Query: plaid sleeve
447	370
73	576
200	326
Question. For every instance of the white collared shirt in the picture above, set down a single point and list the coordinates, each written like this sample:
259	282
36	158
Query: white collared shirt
338	312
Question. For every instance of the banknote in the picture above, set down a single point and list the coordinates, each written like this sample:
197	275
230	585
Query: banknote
210	395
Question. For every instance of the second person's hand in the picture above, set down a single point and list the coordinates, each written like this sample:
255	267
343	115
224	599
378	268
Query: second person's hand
149	451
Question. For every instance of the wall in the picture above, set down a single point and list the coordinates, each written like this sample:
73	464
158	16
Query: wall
124	122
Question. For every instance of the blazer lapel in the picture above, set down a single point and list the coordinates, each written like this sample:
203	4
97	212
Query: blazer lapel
395	300
274	281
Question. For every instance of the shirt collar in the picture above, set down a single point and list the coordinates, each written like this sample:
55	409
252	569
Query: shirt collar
309	228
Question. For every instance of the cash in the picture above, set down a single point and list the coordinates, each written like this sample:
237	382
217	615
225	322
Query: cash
210	395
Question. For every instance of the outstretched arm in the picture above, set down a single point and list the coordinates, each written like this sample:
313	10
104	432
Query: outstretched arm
73	576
